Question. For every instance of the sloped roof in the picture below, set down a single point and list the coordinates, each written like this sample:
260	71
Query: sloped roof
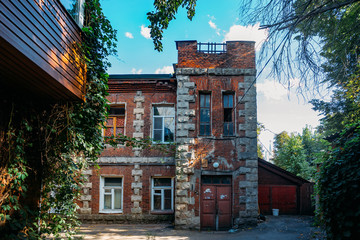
281	172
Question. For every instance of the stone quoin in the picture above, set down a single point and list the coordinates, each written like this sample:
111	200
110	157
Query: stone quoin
208	108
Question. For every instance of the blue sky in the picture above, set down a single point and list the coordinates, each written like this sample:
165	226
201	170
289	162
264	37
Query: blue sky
214	21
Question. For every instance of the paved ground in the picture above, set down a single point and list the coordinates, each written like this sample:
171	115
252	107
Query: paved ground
274	228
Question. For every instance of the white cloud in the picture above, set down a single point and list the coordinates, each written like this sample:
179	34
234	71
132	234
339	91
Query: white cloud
164	70
211	17
135	71
247	33
272	90
212	24
145	32
129	35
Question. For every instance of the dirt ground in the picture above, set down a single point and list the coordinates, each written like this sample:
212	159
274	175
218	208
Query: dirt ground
274	228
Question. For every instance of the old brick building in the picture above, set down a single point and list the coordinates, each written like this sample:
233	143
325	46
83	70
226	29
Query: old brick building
208	107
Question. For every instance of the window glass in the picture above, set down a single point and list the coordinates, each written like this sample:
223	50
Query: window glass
110	194
164	124
107	202
158	121
157	135
162	194
157	202
169	129
162	182
205	113
167	200
164	111
113	182
228	114
117	199
116	111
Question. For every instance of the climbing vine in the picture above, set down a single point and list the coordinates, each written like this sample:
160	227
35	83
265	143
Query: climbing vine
45	146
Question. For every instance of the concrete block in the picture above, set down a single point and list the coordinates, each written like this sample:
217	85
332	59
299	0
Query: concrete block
85	198
138	135
135	172
136	198
183	104
139	110
136	210
136	185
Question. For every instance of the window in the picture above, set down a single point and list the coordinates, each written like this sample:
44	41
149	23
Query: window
228	104
110	194
162	194
164	124
204	114
116	121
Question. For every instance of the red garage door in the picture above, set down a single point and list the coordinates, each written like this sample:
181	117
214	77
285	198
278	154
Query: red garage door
279	197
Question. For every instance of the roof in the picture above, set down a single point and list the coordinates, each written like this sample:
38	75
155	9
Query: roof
279	171
140	76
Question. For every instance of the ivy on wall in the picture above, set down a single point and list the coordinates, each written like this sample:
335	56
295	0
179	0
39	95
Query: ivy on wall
44	146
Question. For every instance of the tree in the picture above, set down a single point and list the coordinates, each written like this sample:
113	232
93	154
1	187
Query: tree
290	155
260	127
339	188
165	12
299	153
279	142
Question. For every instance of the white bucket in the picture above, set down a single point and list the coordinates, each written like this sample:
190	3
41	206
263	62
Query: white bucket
275	212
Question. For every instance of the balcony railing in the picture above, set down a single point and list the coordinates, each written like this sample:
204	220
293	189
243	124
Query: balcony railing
211	48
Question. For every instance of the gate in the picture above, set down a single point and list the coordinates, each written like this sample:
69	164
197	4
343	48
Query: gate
279	197
216	203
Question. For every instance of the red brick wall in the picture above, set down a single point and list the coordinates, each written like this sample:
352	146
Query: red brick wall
150	99
125	173
121	171
238	55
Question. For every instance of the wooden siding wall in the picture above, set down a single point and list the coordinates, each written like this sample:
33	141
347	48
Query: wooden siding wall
38	48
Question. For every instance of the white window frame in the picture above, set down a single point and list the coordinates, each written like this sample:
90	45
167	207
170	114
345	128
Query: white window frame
163	123
162	194
102	194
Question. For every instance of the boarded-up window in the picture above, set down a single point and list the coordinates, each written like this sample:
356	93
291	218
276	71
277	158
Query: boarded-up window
115	123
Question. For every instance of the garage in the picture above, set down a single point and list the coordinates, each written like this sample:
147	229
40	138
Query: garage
280	189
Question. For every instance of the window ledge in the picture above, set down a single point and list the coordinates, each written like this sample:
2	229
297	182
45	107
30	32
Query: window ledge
162	212
110	146
230	136
204	136
111	211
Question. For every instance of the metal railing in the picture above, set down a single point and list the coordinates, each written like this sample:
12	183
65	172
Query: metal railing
212	48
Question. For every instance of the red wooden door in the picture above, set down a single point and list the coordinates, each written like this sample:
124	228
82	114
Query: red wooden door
264	199
216	207
283	198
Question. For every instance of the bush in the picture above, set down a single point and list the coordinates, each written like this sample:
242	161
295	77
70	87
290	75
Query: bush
339	186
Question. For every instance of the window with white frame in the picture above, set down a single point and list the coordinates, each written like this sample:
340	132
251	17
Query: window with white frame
163	124
162	194
111	194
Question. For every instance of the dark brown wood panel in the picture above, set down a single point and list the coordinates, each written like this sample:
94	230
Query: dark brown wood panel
42	34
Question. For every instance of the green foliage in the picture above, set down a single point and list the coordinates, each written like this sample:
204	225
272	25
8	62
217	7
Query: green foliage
299	153
343	108
291	157
339	186
165	12
45	146
260	127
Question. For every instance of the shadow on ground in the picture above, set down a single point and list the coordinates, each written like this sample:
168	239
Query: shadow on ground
274	228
